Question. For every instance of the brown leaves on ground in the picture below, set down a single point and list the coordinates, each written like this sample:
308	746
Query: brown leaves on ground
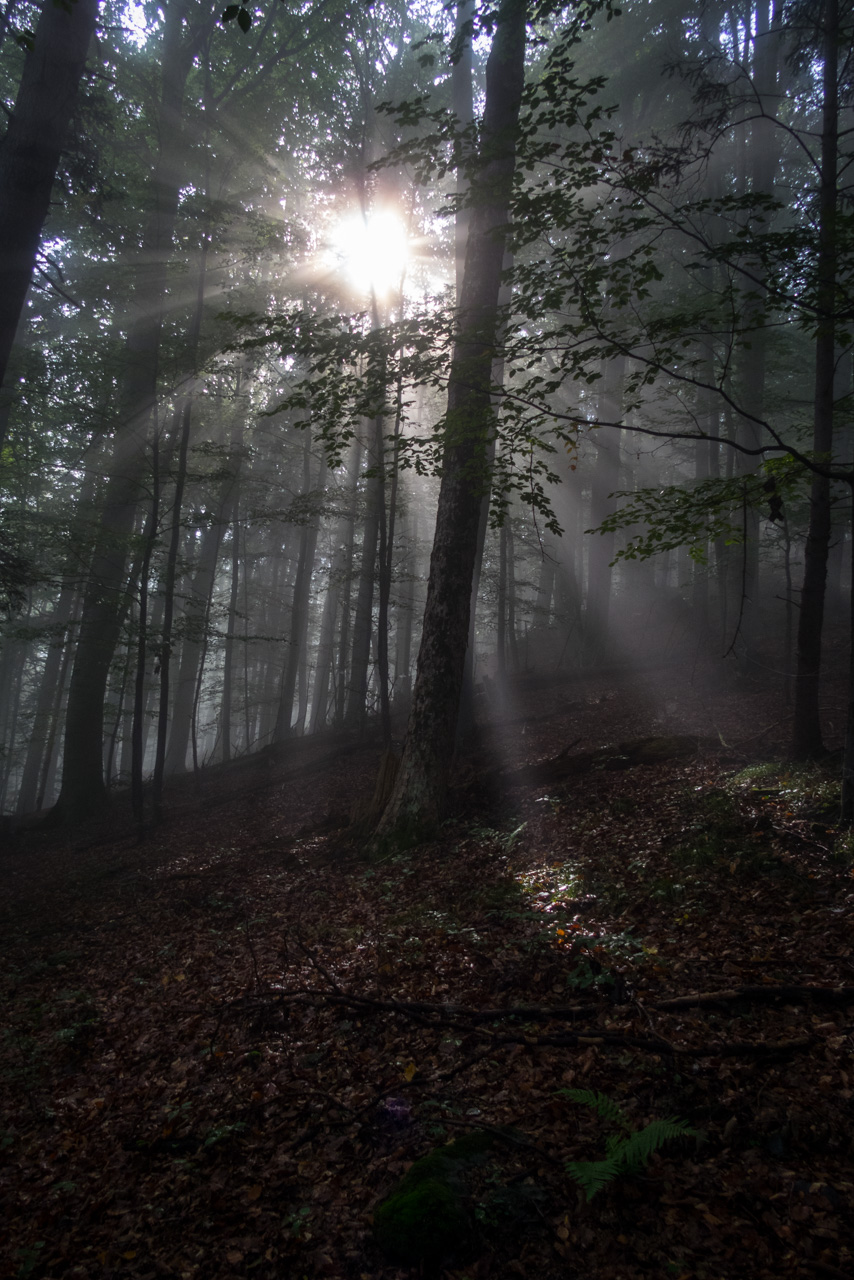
222	1048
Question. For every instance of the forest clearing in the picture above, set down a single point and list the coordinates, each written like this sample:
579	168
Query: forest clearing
225	1046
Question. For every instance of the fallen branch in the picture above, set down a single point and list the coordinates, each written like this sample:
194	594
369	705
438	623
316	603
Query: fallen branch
759	995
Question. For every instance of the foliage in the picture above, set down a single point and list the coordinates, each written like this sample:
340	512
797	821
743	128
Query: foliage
625	1153
693	514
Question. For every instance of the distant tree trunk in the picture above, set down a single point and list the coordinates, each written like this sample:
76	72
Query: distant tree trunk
197	612
512	636
12	664
807	737
31	148
403	633
605	479
298	628
137	735
421	783
501	605
346	591
175	538
342	549
363	617
44	726
227	708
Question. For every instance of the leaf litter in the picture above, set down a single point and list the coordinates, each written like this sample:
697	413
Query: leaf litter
223	1047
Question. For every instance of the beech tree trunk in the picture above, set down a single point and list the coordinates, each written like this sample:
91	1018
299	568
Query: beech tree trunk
83	791
31	148
418	796
807	737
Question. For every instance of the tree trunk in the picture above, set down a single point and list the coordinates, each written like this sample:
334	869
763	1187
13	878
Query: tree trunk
363	617
137	735
298	629
605	479
807	737
227	707
83	791
31	148
421	784
198	609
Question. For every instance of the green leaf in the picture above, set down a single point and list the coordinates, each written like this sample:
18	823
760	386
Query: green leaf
244	19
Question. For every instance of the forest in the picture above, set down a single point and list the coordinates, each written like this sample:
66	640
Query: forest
426	616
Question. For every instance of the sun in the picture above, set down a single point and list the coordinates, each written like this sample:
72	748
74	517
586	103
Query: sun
373	251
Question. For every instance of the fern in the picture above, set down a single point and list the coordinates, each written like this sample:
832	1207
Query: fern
623	1153
604	1106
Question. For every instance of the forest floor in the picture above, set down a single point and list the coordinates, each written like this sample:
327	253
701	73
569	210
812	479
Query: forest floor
222	1047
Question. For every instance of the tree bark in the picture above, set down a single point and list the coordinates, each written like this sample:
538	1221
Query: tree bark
31	148
807	737
416	803
83	791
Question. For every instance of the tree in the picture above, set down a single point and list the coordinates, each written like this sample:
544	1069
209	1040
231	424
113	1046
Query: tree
30	152
419	791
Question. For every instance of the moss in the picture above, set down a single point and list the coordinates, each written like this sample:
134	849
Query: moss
422	1222
425	1219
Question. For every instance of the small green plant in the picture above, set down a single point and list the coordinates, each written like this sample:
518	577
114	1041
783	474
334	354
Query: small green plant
627	1151
223	1133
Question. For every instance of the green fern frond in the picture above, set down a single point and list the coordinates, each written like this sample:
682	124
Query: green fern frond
635	1151
624	1153
604	1106
592	1175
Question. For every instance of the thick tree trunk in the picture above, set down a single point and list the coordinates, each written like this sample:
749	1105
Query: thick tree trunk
419	792
31	148
83	790
807	737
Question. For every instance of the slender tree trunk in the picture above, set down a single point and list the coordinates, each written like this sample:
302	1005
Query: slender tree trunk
512	636
501	606
342	549
605	479
150	536
227	711
31	148
403	632
44	726
198	609
298	629
422	779
363	617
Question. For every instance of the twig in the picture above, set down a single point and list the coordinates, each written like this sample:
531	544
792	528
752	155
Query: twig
315	963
